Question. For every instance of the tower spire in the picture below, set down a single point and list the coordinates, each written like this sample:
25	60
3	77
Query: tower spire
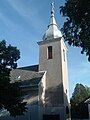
52	21
52	31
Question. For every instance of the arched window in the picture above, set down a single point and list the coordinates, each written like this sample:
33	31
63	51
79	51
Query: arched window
49	52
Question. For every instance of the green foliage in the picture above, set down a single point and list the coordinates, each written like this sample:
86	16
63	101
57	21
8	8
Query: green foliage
8	55
10	93
80	111
80	94
76	29
78	108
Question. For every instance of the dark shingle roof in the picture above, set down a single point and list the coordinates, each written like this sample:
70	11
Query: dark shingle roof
31	68
26	77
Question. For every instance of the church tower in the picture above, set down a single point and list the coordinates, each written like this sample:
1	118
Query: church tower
53	60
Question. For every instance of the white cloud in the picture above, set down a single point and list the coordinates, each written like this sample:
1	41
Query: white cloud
9	23
21	8
30	13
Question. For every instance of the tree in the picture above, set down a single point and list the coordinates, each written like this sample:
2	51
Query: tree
10	95
78	108
80	94
76	29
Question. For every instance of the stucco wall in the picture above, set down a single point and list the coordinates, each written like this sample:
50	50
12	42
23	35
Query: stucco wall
42	88
65	72
53	75
52	66
56	77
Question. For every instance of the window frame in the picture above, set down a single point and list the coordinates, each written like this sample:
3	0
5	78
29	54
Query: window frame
49	52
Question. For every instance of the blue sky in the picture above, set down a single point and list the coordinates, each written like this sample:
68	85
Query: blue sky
23	24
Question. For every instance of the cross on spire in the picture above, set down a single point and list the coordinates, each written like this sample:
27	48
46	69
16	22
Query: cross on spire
52	9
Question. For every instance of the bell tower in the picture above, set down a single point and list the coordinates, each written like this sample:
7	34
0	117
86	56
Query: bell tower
53	60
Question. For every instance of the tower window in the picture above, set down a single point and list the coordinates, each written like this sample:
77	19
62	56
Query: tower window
64	55
49	55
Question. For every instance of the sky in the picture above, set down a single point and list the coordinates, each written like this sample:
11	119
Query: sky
24	22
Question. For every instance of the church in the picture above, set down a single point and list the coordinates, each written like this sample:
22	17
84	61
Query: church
45	86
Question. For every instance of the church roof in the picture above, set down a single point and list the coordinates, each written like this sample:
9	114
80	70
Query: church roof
87	101
53	30
31	68
26	77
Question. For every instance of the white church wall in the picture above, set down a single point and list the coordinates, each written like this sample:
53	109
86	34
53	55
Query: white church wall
54	74
57	71
52	66
65	72
42	88
57	74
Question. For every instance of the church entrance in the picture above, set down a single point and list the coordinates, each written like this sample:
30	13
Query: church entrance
51	117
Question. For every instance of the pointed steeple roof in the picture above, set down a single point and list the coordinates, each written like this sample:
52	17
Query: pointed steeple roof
52	31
